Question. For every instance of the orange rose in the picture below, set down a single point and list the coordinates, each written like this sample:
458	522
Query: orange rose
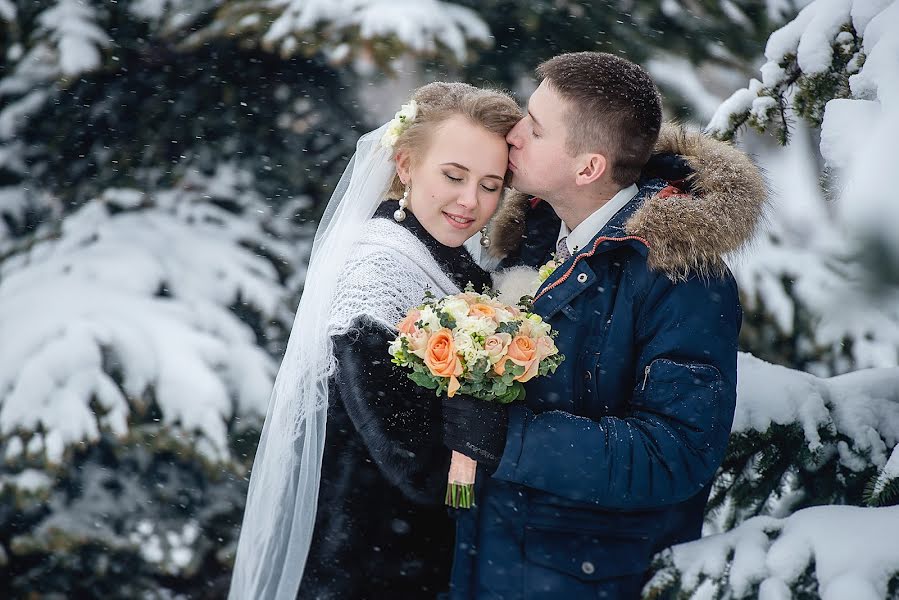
522	351
544	347
441	359
407	325
481	310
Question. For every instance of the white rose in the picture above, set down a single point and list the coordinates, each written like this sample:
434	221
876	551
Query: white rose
430	319
503	316
477	325
401	120
456	307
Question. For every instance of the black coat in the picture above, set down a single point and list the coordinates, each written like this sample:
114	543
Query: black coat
382	529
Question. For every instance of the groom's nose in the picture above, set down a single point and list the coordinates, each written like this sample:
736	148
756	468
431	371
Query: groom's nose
513	137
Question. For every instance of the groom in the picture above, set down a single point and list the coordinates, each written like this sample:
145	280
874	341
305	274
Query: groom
610	459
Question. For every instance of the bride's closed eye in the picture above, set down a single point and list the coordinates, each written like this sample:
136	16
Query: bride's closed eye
458	179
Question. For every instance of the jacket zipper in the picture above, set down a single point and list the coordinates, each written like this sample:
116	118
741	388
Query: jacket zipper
647	368
578	257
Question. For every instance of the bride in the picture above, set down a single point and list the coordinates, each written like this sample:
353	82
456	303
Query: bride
346	493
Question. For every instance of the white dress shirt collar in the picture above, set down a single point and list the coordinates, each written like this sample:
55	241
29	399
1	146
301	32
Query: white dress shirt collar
590	226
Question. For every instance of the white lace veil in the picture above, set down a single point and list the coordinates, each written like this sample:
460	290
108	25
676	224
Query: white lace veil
280	513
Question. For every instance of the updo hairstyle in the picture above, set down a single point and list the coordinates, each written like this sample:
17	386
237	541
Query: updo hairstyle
436	102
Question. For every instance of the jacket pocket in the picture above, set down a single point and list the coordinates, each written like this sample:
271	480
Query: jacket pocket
684	391
588	557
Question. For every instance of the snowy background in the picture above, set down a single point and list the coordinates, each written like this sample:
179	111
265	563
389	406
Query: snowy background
162	167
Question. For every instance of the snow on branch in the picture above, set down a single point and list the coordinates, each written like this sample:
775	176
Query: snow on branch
820	55
798	441
71	26
885	489
835	65
129	311
828	552
367	30
827	303
7	10
790	426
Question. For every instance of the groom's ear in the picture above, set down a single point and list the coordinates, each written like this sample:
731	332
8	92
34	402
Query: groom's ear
404	167
591	168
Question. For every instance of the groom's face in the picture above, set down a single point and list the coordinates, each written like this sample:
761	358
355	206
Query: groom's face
538	158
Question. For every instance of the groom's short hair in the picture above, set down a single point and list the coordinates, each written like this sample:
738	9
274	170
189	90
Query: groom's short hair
615	108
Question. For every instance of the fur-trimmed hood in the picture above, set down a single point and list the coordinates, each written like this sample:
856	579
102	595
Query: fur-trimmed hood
688	231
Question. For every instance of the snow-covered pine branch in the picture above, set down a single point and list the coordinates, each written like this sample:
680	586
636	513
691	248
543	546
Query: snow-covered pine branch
130	309
827	552
70	26
143	328
828	274
367	32
835	65
822	54
885	489
801	440
7	10
802	277
798	441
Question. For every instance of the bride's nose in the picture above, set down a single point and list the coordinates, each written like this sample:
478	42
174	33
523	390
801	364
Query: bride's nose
469	197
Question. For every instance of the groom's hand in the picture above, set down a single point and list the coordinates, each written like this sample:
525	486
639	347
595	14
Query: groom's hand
475	428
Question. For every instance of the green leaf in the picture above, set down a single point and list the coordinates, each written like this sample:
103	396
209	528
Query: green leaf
480	370
526	303
425	381
446	320
510	327
515	392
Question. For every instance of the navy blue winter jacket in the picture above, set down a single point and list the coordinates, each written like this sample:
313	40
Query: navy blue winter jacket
611	459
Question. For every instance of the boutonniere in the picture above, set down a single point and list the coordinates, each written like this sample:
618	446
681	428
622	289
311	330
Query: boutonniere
546	270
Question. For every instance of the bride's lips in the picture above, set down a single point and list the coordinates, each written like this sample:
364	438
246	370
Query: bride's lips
461	223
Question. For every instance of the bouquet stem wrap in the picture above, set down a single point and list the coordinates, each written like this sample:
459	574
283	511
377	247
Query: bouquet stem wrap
460	483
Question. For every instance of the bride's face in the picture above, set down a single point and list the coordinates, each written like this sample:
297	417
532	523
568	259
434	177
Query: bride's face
456	185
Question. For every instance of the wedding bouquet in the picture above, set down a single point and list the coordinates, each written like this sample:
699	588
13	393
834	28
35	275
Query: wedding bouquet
473	344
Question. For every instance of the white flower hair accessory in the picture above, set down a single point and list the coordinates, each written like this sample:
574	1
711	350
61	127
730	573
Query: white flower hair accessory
401	120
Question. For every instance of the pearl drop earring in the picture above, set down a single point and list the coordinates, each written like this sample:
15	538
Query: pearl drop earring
399	214
485	241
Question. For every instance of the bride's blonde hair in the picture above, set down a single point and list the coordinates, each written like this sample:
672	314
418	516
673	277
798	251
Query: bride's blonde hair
436	102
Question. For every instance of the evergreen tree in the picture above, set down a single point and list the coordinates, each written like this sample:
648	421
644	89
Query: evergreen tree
707	33
804	445
162	164
824	297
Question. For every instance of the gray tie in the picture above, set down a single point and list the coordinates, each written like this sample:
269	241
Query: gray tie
562	253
